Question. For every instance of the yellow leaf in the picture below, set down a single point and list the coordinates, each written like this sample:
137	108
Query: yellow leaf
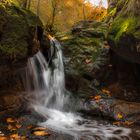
23	137
119	116
106	92
128	123
39	129
41	133
50	37
10	120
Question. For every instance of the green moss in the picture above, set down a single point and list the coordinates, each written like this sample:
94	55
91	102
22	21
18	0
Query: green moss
15	28
113	11
122	26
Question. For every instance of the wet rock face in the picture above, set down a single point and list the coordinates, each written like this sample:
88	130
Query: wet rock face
11	102
17	43
123	82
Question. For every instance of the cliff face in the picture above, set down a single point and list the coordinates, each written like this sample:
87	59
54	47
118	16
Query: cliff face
124	32
17	31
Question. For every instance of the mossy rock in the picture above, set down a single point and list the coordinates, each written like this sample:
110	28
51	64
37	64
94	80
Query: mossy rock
124	32
83	45
17	34
17	30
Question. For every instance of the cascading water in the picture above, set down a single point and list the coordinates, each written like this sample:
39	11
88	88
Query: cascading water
46	83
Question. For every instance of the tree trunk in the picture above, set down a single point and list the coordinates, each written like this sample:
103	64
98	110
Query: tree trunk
29	4
24	5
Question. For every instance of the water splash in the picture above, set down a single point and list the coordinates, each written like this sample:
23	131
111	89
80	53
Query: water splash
46	83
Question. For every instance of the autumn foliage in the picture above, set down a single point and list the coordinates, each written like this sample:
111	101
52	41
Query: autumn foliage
61	15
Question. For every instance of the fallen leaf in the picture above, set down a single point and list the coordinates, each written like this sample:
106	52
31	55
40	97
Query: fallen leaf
39	129
18	126
3	138
98	97
105	91
10	120
29	127
123	123
23	137
128	123
41	133
11	127
50	37
116	123
119	115
88	61
15	136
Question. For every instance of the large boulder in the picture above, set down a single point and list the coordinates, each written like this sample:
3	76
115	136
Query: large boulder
124	31
17	42
83	44
20	33
118	110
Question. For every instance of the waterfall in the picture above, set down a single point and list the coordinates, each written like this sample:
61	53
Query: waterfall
45	82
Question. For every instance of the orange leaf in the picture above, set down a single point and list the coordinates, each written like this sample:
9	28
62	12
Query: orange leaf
41	133
18	126
11	127
15	136
116	123
3	138
39	129
98	97
29	127
10	120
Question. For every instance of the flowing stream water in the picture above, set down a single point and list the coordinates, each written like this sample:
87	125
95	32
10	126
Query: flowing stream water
45	82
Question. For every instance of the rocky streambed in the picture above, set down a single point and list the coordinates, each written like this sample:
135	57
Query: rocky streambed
101	65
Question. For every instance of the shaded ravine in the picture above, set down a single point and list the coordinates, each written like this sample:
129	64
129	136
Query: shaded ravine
45	82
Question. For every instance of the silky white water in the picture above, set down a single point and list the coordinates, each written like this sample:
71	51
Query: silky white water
45	81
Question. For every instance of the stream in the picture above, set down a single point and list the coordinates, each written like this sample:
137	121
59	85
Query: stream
45	82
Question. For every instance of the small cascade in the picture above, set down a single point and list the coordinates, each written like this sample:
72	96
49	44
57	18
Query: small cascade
45	81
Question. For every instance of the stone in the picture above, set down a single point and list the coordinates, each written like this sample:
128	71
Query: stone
17	42
124	31
119	110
